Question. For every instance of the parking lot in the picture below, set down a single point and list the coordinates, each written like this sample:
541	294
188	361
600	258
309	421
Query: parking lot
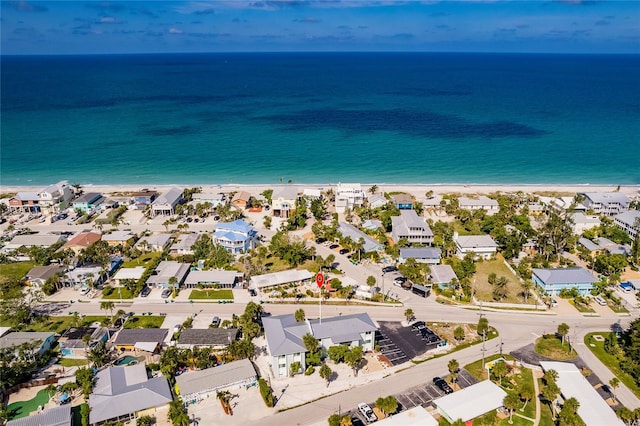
400	344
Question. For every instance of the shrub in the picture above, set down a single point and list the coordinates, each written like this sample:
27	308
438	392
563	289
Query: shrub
107	290
266	392
309	371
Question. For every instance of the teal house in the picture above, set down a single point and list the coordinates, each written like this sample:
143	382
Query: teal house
88	201
554	280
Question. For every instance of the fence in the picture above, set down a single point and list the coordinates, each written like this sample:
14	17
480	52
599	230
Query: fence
32	383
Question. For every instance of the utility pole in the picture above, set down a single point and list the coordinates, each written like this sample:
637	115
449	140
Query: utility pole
483	348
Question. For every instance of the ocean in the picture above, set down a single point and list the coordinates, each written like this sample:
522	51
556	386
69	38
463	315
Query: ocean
422	118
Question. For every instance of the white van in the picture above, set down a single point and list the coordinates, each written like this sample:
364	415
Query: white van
600	301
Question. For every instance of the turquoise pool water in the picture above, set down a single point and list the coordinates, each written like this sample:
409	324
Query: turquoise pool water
126	360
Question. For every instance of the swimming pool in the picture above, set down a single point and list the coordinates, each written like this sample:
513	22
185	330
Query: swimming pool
126	360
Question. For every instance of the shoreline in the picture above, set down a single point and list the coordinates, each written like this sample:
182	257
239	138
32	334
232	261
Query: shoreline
417	189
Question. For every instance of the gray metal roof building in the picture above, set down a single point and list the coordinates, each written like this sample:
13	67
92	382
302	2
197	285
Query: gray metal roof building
213	379
56	416
214	337
348	230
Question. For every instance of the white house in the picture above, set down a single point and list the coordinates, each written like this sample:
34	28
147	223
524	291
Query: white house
481	203
274	279
607	203
284	337
236	237
428	255
629	222
157	242
348	196
283	201
215	198
224	279
370	244
412	227
166	270
482	246
134	273
207	382
43	340
582	222
376	201
470	402
166	203
183	244
56	196
442	275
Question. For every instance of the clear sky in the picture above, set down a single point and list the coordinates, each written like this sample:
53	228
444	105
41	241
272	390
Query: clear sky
96	26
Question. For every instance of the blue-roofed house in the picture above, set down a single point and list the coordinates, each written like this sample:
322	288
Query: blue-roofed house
370	244
284	337
428	255
553	280
237	236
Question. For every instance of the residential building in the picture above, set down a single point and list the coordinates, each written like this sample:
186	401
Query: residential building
215	198
606	203
237	237
470	402
629	222
376	201
72	345
38	275
85	276
553	280
592	409
411	227
134	274
275	279
348	196
55	416
442	275
364	291
116	238
182	246
416	416
56	196
25	201
32	240
169	274
428	255
166	203
143	198
283	201
157	242
215	338
370	244
240	199
82	241
482	246
402	201
481	203
285	343
43	340
88	201
121	394
204	383
583	222
603	245
221	279
312	194
144	339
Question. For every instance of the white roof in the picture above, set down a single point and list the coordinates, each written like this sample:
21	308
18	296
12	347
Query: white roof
117	236
607	197
475	241
43	240
581	218
221	277
55	416
628	218
480	201
215	377
593	410
472	401
417	416
309	192
170	197
285	192
130	273
442	274
282	277
146	346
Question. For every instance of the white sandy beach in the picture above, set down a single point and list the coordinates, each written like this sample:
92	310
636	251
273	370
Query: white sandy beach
417	190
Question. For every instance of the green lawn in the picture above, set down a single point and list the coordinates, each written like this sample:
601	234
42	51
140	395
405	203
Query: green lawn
545	411
551	347
60	324
143	260
477	370
118	293
517	421
20	409
73	362
526	377
15	270
76	415
582	308
144	322
611	361
211	294
483	289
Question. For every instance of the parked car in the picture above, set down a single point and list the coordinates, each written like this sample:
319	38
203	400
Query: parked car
389	269
627	287
418	325
399	281
252	292
85	290
553	303
334	246
344	251
600	301
367	412
215	321
145	292
320	240
165	293
443	385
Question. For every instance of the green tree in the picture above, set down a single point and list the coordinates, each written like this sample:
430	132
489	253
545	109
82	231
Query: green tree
177	415
299	315
563	330
241	349
371	280
453	367
409	314
511	402
568	413
458	333
310	342
483	326
145	421
625	414
388	405
550	392
499	370
108	306
326	372
84	378
614	383
353	358
294	368
526	393
84	414
337	353
50	390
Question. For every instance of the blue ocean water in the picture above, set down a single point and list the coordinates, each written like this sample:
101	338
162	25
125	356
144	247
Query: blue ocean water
321	118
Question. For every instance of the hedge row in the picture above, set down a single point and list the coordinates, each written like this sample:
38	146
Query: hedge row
266	392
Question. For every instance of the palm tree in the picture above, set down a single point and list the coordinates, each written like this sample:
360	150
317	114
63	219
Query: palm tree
550	393
299	315
108	306
177	416
511	402
550	376
500	370
325	373
86	339
563	330
526	393
527	285
614	383
373	189
453	366
50	390
409	314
